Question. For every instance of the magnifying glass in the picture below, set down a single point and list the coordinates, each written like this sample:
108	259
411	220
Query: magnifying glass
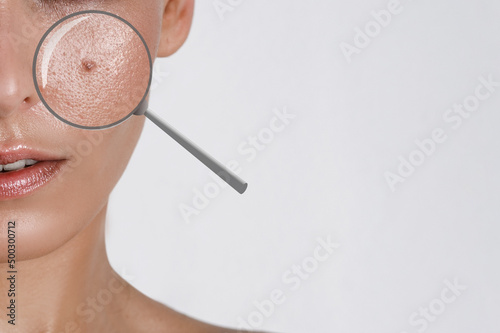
93	70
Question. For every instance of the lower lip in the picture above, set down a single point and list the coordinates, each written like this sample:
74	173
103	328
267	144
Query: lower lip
21	183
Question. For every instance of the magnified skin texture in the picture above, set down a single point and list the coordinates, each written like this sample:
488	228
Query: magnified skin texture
93	70
65	282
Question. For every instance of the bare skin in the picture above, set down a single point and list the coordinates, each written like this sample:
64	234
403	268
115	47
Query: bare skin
83	279
65	282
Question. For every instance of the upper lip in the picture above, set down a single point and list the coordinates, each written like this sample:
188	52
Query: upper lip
21	152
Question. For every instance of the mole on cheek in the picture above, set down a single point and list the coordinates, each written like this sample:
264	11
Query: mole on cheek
88	65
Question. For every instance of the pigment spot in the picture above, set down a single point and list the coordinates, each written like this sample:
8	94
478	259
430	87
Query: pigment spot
88	65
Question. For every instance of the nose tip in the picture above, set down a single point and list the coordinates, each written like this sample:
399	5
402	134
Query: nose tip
16	85
12	95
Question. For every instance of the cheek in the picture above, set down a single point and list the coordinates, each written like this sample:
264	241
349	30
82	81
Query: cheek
145	16
113	149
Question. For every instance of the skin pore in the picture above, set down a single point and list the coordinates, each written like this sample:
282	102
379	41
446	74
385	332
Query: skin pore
65	282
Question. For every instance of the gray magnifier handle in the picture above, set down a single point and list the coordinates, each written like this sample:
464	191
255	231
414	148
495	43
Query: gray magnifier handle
227	175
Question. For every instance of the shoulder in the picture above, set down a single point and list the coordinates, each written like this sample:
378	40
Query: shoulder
147	315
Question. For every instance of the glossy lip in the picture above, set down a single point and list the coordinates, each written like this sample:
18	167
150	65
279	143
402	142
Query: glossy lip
24	182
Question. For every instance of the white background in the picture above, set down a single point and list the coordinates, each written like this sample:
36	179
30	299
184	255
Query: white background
323	175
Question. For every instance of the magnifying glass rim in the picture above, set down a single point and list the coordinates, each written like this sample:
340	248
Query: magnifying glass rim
44	37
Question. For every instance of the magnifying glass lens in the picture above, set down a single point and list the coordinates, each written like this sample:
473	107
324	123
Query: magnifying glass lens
92	70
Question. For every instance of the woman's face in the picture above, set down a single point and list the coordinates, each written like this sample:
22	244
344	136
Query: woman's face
56	198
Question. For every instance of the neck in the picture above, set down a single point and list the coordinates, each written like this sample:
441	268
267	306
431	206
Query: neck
71	289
